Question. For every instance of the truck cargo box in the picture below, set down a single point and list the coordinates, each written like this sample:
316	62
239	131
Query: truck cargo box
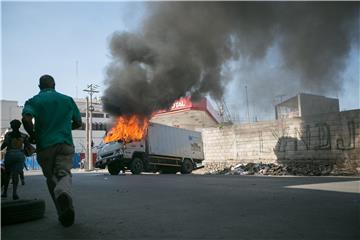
174	142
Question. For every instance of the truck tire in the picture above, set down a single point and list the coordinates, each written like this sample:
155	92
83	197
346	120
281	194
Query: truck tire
21	211
114	168
187	166
137	166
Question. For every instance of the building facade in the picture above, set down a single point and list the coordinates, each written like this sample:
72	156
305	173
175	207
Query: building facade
9	110
189	115
303	105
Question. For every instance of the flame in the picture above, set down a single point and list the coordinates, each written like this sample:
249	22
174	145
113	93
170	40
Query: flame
128	129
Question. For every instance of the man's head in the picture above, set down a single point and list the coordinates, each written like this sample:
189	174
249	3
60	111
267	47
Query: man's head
46	81
15	124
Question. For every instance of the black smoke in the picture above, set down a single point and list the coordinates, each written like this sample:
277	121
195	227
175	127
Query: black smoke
182	48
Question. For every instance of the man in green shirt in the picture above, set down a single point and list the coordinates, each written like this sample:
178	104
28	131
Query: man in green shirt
55	116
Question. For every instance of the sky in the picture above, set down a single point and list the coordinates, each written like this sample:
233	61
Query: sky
52	38
70	41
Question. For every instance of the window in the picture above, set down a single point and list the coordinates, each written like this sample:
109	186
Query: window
96	126
98	115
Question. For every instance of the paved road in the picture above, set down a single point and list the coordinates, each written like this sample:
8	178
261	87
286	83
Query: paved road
198	207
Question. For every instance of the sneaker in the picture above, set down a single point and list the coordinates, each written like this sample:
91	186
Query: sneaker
66	210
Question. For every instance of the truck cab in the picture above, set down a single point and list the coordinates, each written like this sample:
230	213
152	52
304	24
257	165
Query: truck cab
118	156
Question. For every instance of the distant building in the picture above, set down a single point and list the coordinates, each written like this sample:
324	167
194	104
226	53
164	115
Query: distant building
99	118
100	121
304	105
9	110
189	115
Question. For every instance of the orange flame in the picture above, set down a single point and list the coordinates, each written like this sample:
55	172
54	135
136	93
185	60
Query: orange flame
128	129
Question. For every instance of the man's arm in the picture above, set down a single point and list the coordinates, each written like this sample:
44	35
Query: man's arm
5	143
76	118
28	113
76	124
29	126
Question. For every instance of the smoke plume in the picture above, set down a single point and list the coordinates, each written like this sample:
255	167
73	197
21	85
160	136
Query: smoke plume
182	49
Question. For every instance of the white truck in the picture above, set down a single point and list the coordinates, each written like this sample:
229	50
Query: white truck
164	148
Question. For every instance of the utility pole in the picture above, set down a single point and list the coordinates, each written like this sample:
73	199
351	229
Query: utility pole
91	89
86	164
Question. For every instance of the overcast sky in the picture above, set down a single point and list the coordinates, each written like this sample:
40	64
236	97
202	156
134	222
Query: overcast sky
46	37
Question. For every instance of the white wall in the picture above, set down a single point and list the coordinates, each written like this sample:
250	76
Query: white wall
9	111
327	139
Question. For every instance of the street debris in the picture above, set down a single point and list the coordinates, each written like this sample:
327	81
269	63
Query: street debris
278	170
252	169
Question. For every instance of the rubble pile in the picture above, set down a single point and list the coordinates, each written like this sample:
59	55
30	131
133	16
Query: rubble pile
253	169
278	170
289	168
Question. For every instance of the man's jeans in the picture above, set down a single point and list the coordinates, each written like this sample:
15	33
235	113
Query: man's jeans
56	164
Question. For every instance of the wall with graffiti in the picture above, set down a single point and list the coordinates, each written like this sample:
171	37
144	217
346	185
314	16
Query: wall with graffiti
330	141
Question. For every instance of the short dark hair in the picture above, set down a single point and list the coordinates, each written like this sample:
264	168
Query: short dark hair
46	81
15	124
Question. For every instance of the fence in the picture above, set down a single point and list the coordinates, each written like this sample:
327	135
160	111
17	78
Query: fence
32	163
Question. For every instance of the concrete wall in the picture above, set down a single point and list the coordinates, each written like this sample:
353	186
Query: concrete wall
327	141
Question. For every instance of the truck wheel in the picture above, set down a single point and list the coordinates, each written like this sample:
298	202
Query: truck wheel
114	169
21	211
137	166
187	166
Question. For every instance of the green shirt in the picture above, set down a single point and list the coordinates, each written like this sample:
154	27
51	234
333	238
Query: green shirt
54	114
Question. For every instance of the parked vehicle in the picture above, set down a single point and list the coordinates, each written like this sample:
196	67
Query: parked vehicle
164	148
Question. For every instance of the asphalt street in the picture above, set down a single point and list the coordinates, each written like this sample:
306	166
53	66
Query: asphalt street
153	206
